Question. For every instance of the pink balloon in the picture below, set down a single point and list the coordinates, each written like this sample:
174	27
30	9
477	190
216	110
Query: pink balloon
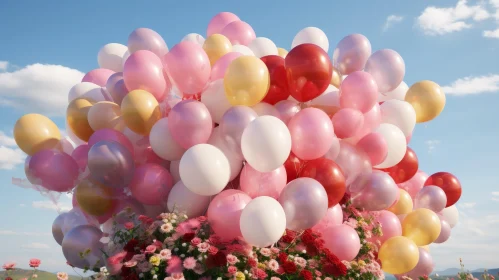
108	134
218	22
353	162
347	122
374	192
359	91
219	68
343	241
334	217
144	70
147	39
351	53
224	212
116	87
256	183
80	155
431	197
147	155
54	170
415	184
387	69
390	226
151	184
188	66
311	133
287	109
375	147
98	76
334	151
444	232
190	123
239	33
424	267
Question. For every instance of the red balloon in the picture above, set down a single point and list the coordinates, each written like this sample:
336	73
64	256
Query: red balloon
293	167
330	175
309	71
405	169
449	183
278	90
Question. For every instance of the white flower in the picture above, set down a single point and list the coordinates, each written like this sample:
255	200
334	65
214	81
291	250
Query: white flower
103	269
219	278
141	275
182	256
155	276
166	228
184	244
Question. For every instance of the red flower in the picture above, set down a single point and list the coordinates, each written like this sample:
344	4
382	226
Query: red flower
289	237
130	246
312	250
283	257
306	275
289	267
213	250
34	263
260	274
8	278
337	270
217	260
252	262
345	199
307	238
188	237
129	225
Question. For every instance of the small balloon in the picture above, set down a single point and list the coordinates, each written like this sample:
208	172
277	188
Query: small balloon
107	134
282	52
397	145
399	113
105	114
444	232
235	159
347	122
390	226
111	55
195	38
415	184
116	87
448	183
450	215
219	69
162	142
431	197
427	99
219	21
374	192
77	118
287	109
215	100
232	125
143	70
98	76
88	90
398	255
262	46
424	267
311	35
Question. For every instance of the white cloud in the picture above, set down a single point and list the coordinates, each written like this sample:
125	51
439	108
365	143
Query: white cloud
49	205
10	232
7	140
441	20
22	205
491	33
467	205
10	155
35	245
432	145
391	20
473	85
4	65
495	193
38	88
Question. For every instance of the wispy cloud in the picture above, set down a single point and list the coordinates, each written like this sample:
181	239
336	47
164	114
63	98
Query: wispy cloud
432	145
473	85
4	65
49	205
11	232
491	33
467	205
35	245
391	20
495	196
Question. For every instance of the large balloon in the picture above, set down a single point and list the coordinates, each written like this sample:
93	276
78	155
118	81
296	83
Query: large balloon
94	199
144	70
387	68
147	39
398	255
76	217
396	142
82	247
182	200
343	241
329	174
266	143
54	170
219	21
431	197
278	89
422	226
448	183
358	91
305	203
405	169
262	222
256	183
351	53
225	211
309	71
162	142
374	192
311	35
428	100
34	132
190	123
151	184
424	267
140	111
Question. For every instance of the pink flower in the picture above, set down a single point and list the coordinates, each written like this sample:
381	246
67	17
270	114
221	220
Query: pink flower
215	239
174	265
62	276
231	259
34	263
176	276
129	225
158	244
259	273
9	266
275	278
213	250
202	219
196	241
131	263
190	263
194	223
318	273
139	258
150	249
275	250
265	252
203	247
232	270
165	254
328	278
313	263
24	278
199	269
301	262
183	228
273	265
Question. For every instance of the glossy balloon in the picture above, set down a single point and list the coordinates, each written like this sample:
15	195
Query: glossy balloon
143	70
162	142
190	123
256	183
147	39
214	98
374	192
329	175
427	99
140	111
333	217
278	90
431	197
352	161
424	267
105	114
107	134
399	113
94	199
82	247
390	226
182	200
415	184
116	87
151	184
216	46
448	183
374	146
450	215
343	241
34	132
54	170
422	226
406	168
445	232
398	255
347	122
387	68
287	109
98	76
358	91
397	145
262	46
219	21
311	35
219	69
235	159
351	53
239	32
232	125
403	205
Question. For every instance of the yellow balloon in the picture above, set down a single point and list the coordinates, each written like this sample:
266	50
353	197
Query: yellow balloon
105	114
426	247
34	132
216	46
94	199
77	117
398	255
427	99
282	52
336	78
246	81
422	226
140	111
403	205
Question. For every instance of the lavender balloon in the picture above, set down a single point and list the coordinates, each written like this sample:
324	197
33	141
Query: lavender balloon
116	87
74	218
304	201
287	109
57	228
147	39
375	191
444	232
424	267
387	68
233	123
111	164
431	197
82	247
351	53
353	162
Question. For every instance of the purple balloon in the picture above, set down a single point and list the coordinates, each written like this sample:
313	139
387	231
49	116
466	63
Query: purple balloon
431	197
351	53
424	267
111	164
116	87
287	109
444	231
375	191
53	170
82	248
147	39
387	68
190	123
233	123
304	201
108	134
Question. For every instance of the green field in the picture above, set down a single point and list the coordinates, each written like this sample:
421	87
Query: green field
42	275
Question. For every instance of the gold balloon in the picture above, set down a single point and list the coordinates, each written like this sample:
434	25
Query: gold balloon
427	99
77	117
34	132
94	199
336	78
216	46
282	52
140	111
398	255
246	81
105	114
422	226
403	205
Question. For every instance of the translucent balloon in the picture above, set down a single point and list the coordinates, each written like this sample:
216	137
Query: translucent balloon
215	100
396	94
195	38
220	67
333	217
143	70
54	170
95	199
111	55
232	125
396	142
57	228
74	218
399	113
287	109
415	184
374	192
390	226
82	247
387	68
262	46
359	91
444	232
98	76
182	200
311	35
225	211
398	255
239	32
147	39
422	226
34	133
352	161
431	197
450	215
112	135
162	141
351	53
343	241
116	87
219	21
190	123
256	183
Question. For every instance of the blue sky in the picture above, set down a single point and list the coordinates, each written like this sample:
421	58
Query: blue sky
454	43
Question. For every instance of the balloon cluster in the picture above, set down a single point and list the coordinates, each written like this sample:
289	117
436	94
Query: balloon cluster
260	139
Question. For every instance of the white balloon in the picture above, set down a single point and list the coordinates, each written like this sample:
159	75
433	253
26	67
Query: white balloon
162	142
399	113
174	170
243	50
262	221
111	56
451	215
215	100
311	35
328	101
195	38
204	169
398	93
125	57
181	199
396	142
235	161
266	143
265	109
86	90
262	46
